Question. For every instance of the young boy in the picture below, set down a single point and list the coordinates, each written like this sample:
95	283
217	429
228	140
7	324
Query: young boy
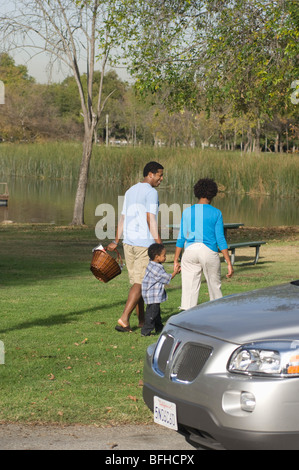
153	291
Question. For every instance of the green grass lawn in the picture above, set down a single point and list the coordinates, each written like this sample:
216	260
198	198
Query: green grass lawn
64	362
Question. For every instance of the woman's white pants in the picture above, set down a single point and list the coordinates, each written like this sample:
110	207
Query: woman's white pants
198	258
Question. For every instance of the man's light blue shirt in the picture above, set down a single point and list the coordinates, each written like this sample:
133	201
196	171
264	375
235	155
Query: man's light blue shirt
139	199
202	223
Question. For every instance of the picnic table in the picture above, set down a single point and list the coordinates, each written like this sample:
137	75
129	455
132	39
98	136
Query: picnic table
227	227
231	226
231	246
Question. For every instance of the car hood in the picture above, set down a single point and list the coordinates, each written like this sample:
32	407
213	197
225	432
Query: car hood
270	313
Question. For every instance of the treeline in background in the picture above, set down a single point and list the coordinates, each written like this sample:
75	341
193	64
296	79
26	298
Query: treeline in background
36	112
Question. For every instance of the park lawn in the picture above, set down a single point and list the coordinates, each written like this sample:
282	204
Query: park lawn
64	361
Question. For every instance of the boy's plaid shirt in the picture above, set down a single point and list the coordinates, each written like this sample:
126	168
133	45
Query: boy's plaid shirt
155	278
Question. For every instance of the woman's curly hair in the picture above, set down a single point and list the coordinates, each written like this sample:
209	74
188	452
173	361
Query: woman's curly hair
205	188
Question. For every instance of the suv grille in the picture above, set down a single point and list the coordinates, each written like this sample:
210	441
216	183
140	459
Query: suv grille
162	353
190	362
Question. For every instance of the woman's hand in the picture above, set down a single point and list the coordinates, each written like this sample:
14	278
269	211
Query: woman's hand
176	266
230	270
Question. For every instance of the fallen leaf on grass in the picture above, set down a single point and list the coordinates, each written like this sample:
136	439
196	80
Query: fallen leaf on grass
82	342
131	397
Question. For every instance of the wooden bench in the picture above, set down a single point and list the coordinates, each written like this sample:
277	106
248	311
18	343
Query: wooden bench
232	248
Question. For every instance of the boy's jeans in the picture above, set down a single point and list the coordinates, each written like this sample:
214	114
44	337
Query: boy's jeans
152	320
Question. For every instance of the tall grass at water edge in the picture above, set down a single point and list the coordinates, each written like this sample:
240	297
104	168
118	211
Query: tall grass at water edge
274	174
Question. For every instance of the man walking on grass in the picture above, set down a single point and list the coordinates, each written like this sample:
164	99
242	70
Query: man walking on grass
139	227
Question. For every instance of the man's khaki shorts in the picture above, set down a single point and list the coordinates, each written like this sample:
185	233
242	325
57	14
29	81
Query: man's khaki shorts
136	260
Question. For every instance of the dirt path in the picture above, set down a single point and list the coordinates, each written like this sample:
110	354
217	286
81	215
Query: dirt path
30	437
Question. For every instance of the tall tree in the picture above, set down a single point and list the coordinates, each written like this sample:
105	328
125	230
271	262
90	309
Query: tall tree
207	52
71	31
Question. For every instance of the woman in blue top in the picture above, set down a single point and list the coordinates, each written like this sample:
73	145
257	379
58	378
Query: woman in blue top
202	233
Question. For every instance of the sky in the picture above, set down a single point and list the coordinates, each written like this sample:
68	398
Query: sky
38	65
38	68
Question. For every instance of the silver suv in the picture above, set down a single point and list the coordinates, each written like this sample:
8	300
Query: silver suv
226	374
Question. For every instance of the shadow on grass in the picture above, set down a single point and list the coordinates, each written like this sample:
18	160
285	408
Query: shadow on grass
59	319
26	271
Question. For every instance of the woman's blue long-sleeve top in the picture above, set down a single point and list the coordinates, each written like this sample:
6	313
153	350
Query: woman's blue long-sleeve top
202	223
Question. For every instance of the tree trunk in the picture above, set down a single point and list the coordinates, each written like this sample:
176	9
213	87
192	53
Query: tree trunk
248	145
235	139
78	215
276	143
258	137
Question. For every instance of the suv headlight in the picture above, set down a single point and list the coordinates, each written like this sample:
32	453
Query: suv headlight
267	358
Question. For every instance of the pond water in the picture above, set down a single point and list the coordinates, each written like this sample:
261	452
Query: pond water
44	201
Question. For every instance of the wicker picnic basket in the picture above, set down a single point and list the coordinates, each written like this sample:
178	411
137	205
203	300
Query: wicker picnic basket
104	267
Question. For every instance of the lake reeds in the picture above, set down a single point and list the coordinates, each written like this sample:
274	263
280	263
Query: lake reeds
263	173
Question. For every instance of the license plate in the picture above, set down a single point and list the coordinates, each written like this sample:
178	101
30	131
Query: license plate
165	413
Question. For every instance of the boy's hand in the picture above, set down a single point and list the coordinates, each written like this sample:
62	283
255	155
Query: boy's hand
176	269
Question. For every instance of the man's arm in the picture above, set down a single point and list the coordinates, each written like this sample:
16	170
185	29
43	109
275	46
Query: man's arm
119	231
153	227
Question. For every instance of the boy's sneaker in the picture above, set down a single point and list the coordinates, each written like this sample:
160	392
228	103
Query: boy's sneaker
159	329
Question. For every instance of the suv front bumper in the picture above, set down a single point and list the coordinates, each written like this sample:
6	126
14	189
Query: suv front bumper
201	429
